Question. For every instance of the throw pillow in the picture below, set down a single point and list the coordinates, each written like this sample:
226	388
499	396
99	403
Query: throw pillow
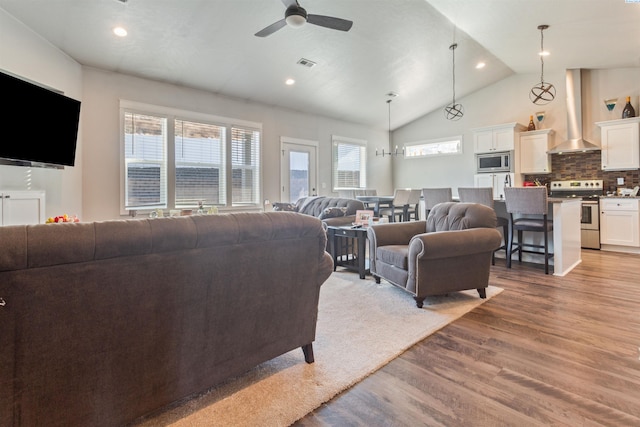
289	207
334	212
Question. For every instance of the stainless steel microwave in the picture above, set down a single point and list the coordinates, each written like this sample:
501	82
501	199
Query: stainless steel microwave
494	162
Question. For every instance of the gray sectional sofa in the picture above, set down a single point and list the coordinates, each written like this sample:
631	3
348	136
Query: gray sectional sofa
104	322
331	210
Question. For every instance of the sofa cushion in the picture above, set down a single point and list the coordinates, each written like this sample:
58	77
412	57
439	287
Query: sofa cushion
395	255
333	212
460	216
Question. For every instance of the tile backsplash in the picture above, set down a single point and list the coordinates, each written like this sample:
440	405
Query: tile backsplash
586	166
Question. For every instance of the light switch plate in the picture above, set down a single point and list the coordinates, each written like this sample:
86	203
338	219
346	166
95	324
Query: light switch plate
620	181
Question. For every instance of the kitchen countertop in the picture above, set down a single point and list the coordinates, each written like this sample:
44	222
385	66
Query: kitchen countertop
620	197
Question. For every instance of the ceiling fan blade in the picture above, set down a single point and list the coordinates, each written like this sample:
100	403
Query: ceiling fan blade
330	22
271	28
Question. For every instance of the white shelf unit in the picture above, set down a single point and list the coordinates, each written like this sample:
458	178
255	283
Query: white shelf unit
22	207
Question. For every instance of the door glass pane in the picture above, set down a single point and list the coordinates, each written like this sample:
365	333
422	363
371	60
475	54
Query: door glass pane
298	175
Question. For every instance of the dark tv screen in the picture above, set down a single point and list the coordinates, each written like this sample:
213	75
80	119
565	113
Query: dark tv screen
39	125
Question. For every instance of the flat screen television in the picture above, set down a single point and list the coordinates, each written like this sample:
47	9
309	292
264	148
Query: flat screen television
39	125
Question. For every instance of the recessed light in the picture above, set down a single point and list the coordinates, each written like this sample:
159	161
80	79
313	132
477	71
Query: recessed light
290	82
480	65
120	32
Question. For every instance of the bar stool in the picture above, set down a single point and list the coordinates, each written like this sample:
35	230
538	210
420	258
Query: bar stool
528	201
433	196
484	196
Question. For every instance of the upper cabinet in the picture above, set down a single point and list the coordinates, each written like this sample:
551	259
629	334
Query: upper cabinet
533	151
620	144
504	137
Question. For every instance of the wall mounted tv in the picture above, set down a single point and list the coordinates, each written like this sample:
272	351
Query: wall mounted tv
39	125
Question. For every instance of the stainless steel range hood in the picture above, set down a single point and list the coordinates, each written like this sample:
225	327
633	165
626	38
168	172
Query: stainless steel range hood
574	142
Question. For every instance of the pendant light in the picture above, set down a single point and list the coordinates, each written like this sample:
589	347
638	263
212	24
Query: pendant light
454	111
543	92
391	152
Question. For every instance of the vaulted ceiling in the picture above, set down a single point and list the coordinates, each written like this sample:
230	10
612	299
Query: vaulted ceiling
399	46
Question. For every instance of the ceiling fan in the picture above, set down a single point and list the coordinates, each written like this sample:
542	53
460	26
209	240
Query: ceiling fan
295	16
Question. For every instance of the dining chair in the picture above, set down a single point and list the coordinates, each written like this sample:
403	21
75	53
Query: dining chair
397	208
531	204
484	196
433	196
411	212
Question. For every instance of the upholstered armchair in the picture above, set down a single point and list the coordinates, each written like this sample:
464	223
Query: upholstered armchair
450	251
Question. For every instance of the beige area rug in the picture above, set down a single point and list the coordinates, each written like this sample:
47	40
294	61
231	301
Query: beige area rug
361	327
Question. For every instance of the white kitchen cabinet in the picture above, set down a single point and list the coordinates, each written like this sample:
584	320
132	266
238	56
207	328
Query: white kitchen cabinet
22	207
533	151
497	181
504	137
620	141
620	222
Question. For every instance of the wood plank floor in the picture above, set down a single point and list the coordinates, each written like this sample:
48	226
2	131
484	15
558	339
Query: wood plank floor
561	351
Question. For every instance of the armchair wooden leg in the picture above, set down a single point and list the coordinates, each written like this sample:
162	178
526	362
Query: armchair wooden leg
482	292
377	279
419	301
308	353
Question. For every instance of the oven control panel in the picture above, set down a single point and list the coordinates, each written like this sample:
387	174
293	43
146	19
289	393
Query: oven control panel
577	185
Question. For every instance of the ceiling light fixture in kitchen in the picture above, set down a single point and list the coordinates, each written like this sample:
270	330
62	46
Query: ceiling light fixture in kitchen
543	92
454	111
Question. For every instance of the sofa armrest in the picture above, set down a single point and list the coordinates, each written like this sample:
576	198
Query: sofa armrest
454	243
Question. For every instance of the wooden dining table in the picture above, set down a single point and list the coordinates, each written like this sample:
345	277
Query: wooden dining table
377	202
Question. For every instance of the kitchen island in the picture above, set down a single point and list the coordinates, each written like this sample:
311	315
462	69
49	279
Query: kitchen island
565	240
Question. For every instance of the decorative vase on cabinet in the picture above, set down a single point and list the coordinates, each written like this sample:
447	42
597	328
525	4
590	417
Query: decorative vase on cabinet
533	151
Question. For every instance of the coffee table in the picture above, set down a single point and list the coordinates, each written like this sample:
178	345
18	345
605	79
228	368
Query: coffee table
349	248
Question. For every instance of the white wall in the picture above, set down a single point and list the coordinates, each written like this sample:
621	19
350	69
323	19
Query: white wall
24	53
103	91
508	101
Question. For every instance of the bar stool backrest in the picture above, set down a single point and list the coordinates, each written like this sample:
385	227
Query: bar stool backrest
526	200
433	196
481	195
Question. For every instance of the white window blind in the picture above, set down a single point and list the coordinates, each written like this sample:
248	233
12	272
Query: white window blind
145	142
349	164
200	164
245	164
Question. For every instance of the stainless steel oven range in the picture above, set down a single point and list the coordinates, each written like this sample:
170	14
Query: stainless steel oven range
589	191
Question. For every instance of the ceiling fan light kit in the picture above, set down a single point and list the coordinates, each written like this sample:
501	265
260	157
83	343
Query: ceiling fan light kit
543	92
296	16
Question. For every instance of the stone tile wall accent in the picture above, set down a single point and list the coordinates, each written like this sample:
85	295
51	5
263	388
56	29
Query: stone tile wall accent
585	166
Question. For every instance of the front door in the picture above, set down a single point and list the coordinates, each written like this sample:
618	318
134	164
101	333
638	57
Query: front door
298	170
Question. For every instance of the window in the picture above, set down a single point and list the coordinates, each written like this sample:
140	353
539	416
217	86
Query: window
145	142
177	159
436	147
349	163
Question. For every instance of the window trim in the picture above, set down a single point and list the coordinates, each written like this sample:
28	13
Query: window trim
456	138
171	114
335	140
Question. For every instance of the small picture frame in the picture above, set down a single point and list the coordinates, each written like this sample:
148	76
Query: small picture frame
364	217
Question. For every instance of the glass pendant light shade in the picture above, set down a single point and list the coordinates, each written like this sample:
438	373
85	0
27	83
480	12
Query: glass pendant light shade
543	92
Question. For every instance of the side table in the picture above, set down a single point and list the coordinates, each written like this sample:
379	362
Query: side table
348	248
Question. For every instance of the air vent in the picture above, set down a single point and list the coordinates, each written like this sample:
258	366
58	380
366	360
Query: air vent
122	1
306	63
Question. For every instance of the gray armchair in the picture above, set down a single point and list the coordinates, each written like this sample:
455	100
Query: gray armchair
450	251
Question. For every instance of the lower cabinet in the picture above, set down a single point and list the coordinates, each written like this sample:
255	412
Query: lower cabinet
21	207
497	181
620	222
